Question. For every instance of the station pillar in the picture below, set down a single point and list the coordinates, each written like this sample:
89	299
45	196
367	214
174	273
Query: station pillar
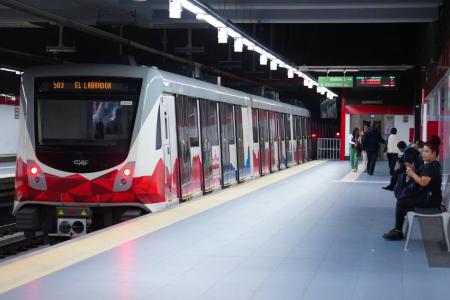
343	130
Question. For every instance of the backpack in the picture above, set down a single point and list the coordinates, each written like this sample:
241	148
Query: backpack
408	189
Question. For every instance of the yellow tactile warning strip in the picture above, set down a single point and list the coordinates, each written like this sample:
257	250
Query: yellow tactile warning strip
25	269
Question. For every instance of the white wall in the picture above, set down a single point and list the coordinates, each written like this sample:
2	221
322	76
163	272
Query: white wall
9	130
348	131
403	127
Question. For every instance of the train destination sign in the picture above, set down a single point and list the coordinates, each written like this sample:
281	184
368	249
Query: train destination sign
377	82
336	81
83	85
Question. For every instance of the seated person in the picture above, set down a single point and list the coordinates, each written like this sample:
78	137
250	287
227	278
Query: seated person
411	154
428	180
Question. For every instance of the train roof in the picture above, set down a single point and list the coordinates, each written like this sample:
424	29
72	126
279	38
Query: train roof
173	83
179	84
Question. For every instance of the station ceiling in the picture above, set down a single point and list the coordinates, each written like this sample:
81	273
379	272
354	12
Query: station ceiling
149	13
310	33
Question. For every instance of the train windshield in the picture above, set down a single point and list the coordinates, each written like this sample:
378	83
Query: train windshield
84	125
97	123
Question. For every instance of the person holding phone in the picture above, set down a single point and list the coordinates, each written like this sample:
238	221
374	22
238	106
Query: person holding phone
427	194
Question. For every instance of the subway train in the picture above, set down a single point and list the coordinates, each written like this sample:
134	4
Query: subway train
101	144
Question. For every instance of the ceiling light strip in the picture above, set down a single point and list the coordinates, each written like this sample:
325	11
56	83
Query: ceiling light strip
225	30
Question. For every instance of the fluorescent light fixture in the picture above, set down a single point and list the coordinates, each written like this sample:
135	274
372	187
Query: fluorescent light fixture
290	73
238	45
226	30
273	65
214	22
12	71
175	9
263	60
222	35
233	33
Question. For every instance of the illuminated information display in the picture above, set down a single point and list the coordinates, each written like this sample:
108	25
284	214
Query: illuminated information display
85	85
376	82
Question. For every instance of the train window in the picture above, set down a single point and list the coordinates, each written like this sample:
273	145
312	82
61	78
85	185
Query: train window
192	121
282	124
227	123
158	131
212	123
255	125
294	127
288	127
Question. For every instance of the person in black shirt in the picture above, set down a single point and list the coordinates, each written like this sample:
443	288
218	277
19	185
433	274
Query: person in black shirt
411	155
371	144
428	180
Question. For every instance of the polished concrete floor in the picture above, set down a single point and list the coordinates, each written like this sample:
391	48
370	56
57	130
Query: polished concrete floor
310	236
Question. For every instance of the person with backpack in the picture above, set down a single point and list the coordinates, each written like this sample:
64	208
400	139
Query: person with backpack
411	154
418	188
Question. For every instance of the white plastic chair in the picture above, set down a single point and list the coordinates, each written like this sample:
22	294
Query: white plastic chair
445	218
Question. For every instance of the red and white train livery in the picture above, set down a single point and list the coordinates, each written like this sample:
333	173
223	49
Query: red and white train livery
100	144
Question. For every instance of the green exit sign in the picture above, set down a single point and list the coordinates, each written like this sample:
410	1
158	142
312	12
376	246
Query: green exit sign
336	82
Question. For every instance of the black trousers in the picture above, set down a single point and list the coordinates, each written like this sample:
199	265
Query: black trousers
408	204
395	175
392	160
371	160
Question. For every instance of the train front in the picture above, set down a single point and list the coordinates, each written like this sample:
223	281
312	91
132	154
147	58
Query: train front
77	158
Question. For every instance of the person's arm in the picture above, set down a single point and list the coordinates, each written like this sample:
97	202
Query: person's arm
420	180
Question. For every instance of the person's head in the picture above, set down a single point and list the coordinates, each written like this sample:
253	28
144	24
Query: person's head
431	149
366	128
401	145
355	132
419	144
393	130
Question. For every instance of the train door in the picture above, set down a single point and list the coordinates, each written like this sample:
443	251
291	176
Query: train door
240	143
273	141
169	146
264	150
288	135
228	144
256	170
301	145
188	146
294	139
308	149
210	145
282	143
298	135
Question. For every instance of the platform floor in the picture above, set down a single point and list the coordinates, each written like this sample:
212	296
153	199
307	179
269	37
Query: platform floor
313	235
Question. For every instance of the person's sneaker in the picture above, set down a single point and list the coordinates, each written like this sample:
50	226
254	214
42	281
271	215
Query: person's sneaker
387	188
394	235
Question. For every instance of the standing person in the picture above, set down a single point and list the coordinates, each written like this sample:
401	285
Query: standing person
371	143
364	152
354	148
427	193
393	151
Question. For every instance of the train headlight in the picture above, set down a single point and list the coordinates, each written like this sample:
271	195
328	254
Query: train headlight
127	172
36	177
124	178
34	170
